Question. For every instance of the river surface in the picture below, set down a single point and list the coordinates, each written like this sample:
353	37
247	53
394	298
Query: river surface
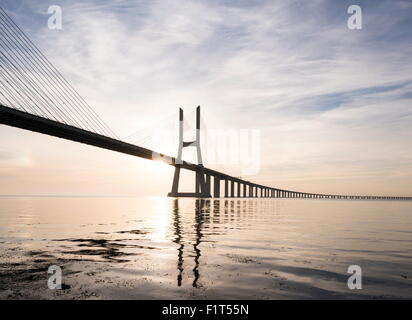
162	248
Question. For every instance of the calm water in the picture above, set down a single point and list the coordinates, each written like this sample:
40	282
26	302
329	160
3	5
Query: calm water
144	248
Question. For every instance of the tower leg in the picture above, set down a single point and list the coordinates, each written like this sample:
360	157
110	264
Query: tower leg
175	186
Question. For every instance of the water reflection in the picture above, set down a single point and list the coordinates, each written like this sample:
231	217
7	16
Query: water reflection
178	240
232	211
187	248
202	208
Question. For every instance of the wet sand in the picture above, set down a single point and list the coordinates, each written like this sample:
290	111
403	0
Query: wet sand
159	248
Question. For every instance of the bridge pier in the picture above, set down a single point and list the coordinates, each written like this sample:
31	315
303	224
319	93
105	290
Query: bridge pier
226	188
208	183
216	187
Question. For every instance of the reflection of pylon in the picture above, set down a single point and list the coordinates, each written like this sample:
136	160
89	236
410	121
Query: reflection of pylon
200	184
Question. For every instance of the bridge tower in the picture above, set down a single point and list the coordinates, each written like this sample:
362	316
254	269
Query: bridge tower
201	190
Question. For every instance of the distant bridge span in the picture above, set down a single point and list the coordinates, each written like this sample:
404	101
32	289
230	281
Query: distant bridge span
233	187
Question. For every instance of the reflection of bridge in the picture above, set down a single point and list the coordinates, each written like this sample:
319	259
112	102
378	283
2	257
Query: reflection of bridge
202	208
35	96
207	213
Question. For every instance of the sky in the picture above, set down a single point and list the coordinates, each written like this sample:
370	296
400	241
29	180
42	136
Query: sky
290	96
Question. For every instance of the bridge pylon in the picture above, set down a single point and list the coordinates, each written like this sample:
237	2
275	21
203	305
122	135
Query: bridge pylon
201	189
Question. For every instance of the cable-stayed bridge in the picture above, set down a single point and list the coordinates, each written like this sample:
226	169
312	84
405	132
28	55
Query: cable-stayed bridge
35	96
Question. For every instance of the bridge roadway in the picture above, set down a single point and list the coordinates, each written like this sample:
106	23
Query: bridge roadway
233	186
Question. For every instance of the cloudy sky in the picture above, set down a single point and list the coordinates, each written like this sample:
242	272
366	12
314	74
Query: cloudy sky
328	108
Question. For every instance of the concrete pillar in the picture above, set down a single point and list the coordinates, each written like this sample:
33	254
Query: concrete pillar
226	188
197	182
238	190
208	183
175	186
244	190
232	189
216	187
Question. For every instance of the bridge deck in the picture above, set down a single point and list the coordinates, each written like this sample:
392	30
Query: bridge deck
23	120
